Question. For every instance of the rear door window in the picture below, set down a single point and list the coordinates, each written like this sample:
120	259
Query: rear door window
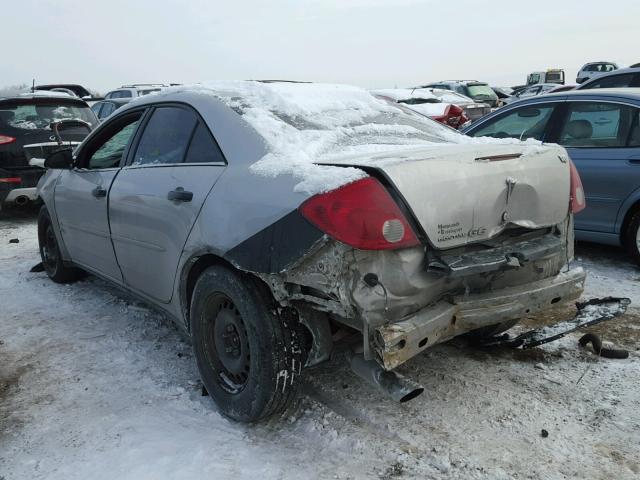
596	124
525	122
203	148
165	137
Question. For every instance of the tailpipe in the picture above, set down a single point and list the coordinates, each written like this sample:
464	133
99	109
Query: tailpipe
400	388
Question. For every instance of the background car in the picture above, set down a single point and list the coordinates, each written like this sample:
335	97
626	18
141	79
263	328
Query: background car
75	89
621	78
594	69
552	75
601	131
562	88
135	90
424	102
25	127
104	108
531	91
472	109
478	91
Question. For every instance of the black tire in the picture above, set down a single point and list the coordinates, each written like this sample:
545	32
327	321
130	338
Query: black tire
250	358
50	253
632	237
491	330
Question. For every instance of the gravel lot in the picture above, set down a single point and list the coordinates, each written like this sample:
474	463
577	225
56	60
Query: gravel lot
95	385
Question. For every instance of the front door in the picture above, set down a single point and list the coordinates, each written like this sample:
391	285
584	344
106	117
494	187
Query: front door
81	198
600	139
156	198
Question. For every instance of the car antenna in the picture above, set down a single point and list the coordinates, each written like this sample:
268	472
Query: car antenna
33	85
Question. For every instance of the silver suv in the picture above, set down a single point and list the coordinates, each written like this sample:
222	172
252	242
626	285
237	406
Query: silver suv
278	223
594	69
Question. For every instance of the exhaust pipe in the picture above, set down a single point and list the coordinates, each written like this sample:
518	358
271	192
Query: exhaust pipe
400	388
21	201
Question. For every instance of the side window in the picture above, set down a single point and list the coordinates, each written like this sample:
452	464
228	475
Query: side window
203	148
108	152
596	124
526	122
613	81
166	136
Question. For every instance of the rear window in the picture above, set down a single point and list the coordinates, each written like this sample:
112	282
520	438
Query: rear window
119	94
38	116
148	91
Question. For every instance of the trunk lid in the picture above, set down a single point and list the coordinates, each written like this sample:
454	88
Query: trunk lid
461	194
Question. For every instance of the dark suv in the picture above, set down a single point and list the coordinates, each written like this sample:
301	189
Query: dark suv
478	91
25	131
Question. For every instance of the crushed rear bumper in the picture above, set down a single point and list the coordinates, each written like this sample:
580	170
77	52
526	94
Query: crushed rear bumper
395	343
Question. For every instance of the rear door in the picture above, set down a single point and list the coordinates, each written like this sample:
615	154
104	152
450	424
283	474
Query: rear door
81	196
601	140
156	198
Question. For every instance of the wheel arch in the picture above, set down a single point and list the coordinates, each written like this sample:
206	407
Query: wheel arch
631	211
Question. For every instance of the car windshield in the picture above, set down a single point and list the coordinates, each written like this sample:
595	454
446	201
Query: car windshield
38	116
481	92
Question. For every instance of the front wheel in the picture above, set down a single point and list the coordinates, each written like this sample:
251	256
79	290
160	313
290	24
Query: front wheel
50	252
632	237
250	357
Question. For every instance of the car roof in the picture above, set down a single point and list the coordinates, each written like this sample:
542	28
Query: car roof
619	71
630	93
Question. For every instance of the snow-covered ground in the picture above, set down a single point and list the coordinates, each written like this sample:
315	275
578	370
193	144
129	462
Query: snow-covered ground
93	385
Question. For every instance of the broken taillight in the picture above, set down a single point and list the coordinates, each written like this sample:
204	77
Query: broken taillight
4	139
577	199
361	214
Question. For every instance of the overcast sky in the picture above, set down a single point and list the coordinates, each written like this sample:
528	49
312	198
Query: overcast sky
373	43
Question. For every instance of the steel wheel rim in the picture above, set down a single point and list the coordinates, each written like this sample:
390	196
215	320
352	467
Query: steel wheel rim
226	344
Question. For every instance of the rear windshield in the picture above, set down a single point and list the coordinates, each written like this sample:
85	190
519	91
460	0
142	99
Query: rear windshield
38	116
148	91
481	92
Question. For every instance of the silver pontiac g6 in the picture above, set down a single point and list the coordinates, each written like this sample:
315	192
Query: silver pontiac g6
279	223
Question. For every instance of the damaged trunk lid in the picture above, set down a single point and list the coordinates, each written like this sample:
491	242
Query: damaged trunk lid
462	194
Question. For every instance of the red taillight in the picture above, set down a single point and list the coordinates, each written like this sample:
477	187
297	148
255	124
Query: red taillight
4	139
10	180
577	200
361	214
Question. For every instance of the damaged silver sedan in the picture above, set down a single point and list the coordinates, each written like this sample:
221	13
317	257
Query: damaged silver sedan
276	222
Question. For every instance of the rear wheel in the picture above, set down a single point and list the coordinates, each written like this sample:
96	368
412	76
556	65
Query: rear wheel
632	237
249	357
50	252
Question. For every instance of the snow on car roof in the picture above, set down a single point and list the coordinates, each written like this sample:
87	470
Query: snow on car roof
399	94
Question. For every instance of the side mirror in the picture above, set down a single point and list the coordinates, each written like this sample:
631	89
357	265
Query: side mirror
60	159
61	125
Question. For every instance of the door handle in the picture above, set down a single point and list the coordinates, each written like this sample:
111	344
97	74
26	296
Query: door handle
180	195
99	192
635	161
